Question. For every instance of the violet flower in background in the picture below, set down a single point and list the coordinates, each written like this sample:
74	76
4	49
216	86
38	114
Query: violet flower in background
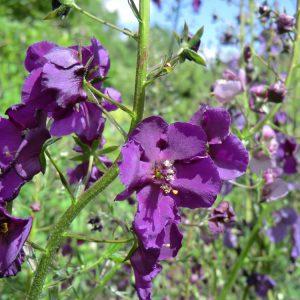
284	219
262	284
13	234
220	217
276	92
231	85
295	252
285	23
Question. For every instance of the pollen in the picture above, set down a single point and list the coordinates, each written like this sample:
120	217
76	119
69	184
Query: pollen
4	228
175	192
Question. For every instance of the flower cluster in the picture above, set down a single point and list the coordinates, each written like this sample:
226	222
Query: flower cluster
173	166
54	103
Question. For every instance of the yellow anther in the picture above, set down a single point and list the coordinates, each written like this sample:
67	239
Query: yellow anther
4	228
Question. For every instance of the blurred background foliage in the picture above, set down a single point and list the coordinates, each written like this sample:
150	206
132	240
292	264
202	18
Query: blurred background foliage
175	97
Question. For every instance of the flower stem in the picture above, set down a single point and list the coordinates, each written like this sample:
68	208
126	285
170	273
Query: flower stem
125	31
142	62
58	230
240	260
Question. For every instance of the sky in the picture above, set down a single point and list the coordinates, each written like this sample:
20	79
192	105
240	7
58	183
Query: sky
164	17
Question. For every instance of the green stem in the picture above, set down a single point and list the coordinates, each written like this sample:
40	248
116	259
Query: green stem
125	31
112	101
93	240
239	262
142	62
63	224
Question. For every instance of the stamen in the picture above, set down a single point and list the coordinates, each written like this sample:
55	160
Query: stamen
4	228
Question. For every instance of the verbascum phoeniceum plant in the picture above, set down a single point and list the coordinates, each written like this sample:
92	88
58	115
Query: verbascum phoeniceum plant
167	167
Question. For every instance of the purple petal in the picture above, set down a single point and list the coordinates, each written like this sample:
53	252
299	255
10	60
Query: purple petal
64	58
113	94
150	134
185	141
290	165
278	232
68	83
146	268
14	239
10	140
275	190
23	115
133	172
295	253
101	57
28	157
172	241
198	183
226	90
230	157
35	56
10	185
155	210
214	121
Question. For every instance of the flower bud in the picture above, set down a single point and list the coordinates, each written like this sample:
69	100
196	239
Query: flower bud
276	92
285	23
247	54
268	133
264	10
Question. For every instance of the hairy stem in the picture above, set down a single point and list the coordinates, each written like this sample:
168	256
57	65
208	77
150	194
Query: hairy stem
57	233
142	62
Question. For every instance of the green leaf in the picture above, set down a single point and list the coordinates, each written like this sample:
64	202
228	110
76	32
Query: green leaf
194	56
85	148
185	34
43	161
135	10
57	13
107	150
81	158
196	37
132	250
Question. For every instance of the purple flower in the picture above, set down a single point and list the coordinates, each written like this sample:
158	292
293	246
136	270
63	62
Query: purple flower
281	118
85	120
285	23
20	150
284	219
221	216
168	167
230	86
13	234
226	150
55	83
230	239
276	92
262	284
286	154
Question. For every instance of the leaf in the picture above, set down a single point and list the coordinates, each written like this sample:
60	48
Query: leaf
132	250
196	37
81	158
185	34
107	150
135	10
57	13
43	161
194	56
85	148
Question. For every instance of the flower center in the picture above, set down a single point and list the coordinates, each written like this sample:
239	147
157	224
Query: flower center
164	174
3	228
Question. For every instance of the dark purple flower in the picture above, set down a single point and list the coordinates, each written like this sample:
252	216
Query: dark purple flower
221	216
168	167
285	23
226	150
13	234
85	121
276	92
286	154
264	10
262	284
247	54
284	219
20	150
